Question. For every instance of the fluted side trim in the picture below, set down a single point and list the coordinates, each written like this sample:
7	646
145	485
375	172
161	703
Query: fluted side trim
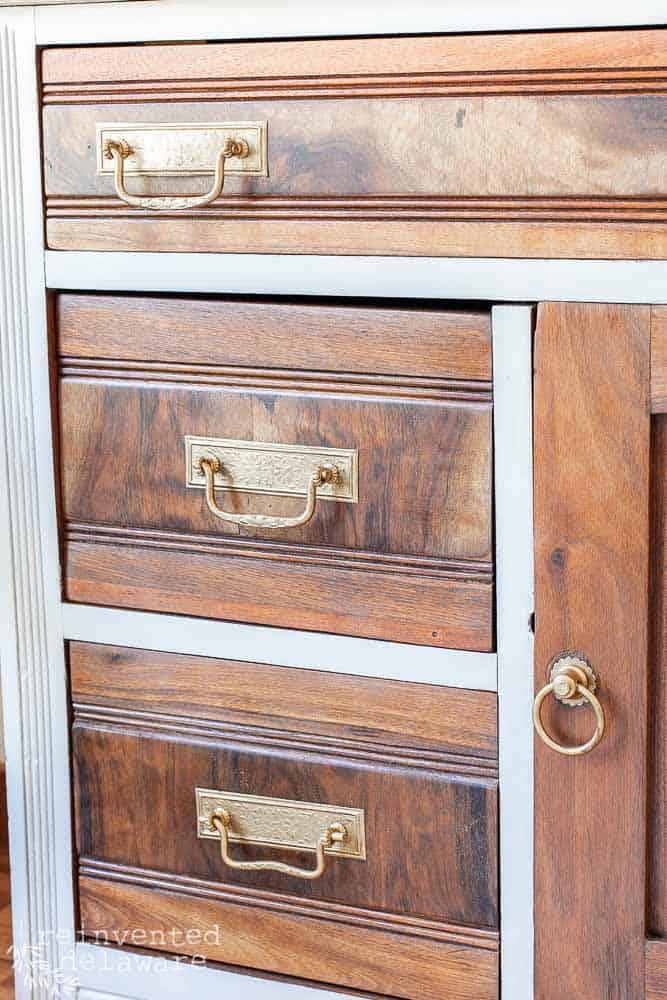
39	841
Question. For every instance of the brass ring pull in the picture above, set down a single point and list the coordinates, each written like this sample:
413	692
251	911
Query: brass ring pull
573	683
324	474
334	834
119	150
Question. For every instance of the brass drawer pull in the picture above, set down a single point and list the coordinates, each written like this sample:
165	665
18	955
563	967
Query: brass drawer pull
324	474
283	824
118	150
573	683
335	833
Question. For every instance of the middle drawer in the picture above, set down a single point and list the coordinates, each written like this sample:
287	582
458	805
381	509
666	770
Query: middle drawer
308	465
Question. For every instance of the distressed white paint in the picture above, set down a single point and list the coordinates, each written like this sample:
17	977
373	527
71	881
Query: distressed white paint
499	280
105	974
513	440
281	646
195	19
31	647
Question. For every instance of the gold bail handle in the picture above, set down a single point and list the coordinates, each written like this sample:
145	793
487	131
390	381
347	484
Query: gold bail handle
119	150
210	465
335	833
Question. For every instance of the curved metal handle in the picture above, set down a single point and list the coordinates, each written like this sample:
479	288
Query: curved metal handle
324	474
573	683
119	150
334	834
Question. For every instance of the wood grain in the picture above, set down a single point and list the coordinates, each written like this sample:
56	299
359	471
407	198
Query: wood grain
591	147
356	957
431	835
359	710
471	112
659	359
345	57
424	516
320	336
592	537
445	612
424	466
656	970
544	240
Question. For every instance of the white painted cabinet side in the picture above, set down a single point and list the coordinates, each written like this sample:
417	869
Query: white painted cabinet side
31	646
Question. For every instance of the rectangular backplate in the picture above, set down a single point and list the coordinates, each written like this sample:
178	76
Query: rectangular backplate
183	149
276	469
267	822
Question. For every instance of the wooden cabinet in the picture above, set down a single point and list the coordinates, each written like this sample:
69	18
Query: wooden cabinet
290	581
524	145
407	552
415	907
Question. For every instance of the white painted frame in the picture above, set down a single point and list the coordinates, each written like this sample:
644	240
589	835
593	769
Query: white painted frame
164	20
477	278
33	623
31	644
515	603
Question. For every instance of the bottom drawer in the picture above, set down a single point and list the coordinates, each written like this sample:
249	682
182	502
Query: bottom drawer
336	829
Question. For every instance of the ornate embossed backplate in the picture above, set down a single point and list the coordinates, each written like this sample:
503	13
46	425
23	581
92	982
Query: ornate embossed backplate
279	469
268	822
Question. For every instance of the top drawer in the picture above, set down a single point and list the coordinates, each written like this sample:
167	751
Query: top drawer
533	145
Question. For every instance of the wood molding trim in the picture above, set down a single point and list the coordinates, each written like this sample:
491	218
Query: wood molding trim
155	724
352	916
468	571
621	61
381	208
294	380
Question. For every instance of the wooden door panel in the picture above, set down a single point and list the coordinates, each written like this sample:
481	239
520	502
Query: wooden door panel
592	438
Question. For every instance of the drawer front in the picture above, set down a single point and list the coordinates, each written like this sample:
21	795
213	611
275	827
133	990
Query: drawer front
403	550
530	145
417	876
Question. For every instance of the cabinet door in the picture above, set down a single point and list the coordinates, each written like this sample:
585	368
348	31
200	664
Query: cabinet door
601	542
